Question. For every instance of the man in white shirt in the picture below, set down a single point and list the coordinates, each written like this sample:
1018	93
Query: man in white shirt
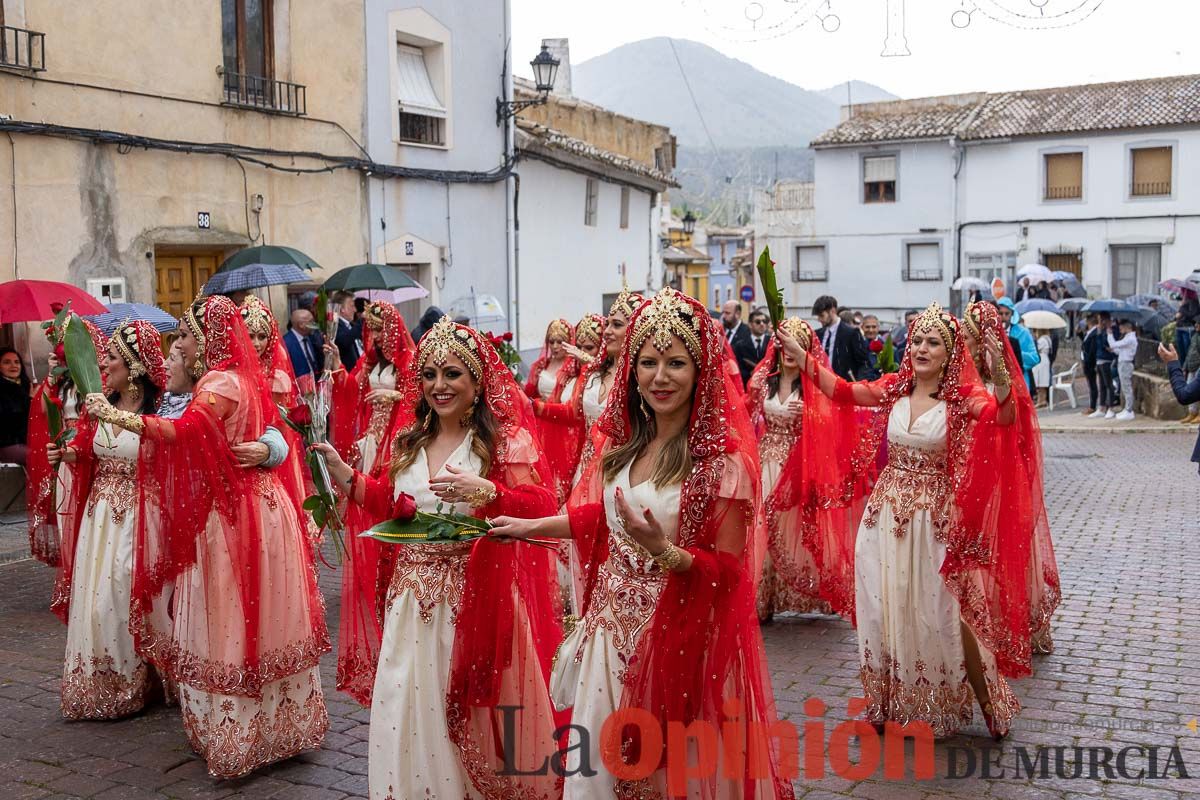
1125	348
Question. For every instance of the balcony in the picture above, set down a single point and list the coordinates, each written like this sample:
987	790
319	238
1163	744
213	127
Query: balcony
22	49
265	94
1152	189
1064	192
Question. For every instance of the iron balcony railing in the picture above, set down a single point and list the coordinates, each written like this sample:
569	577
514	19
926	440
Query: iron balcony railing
265	94
22	49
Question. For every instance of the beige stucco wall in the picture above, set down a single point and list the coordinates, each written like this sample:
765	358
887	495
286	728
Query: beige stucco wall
86	210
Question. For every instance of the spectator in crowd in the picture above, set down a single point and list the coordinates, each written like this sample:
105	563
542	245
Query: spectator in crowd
307	300
737	333
900	336
305	347
427	321
870	332
1191	369
349	332
1022	290
1189	312
1041	371
1106	371
759	335
1186	392
1020	334
1126	350
844	343
15	391
847	316
1090	348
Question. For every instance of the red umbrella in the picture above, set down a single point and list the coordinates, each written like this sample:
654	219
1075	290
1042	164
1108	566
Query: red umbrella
35	301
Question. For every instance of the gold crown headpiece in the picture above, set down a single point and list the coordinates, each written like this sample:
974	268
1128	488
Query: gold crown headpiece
257	316
626	303
373	315
193	318
934	318
589	329
667	315
446	338
798	329
558	329
125	337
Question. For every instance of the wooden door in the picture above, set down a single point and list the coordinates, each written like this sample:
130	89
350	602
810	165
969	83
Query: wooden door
180	278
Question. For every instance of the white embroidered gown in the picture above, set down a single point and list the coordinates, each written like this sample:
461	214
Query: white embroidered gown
103	676
910	638
382	376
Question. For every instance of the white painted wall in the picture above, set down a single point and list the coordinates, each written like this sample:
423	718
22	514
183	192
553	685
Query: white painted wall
465	227
566	267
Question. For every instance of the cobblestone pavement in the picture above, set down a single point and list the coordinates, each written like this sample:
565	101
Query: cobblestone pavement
1124	671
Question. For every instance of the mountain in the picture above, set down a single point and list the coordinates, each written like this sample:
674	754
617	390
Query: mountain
860	92
761	125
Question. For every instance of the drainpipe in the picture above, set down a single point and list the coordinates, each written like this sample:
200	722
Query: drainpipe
512	272
960	158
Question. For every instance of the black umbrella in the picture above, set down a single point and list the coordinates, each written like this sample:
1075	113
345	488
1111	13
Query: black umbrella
269	255
369	276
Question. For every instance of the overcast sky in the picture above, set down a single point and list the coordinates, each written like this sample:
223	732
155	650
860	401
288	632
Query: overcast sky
1104	40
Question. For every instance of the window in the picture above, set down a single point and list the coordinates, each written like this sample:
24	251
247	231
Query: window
1151	172
922	261
812	263
1064	261
716	297
624	207
989	266
879	179
422	113
246	41
591	202
1064	176
1136	270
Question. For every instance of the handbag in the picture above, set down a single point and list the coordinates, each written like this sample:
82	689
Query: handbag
564	672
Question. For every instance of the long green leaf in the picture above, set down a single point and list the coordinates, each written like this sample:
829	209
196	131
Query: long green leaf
81	357
772	294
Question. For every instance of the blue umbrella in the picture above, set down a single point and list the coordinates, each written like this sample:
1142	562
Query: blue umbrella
1038	304
1072	303
253	277
1068	281
1117	308
118	313
1143	301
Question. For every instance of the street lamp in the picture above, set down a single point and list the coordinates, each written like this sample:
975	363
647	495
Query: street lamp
545	70
689	223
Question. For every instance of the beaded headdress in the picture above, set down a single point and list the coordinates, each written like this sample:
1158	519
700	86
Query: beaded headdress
589	329
978	315
666	316
373	315
559	329
626	303
140	346
798	329
446	338
257	316
935	319
193	318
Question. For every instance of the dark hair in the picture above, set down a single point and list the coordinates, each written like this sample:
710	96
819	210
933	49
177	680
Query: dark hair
912	312
758	312
149	395
360	305
424	428
24	379
824	303
774	378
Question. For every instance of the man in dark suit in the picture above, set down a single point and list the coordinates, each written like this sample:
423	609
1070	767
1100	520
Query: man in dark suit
844	343
305	347
737	333
349	332
759	335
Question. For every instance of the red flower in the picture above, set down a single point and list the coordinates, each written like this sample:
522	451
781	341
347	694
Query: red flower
405	508
60	353
876	345
300	415
508	337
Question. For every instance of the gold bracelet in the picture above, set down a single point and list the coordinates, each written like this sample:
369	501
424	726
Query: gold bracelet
480	497
124	419
670	559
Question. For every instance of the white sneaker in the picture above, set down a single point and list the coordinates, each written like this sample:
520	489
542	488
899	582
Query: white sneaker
1095	414
1125	416
1110	415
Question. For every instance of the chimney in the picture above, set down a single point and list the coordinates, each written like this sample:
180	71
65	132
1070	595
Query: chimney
561	49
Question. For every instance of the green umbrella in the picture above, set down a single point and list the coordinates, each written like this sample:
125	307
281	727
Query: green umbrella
369	276
266	255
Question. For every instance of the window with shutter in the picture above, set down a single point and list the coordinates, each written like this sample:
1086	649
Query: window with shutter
879	179
1151	172
591	202
624	206
1064	176
812	263
923	261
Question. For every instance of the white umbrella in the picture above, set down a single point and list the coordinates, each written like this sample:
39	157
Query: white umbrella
1042	320
394	296
479	308
970	284
1036	273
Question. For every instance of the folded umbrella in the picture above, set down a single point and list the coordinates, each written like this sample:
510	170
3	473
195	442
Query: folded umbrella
268	255
254	276
118	313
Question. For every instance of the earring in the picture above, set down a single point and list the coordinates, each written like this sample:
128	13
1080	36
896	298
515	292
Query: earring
468	417
135	391
642	402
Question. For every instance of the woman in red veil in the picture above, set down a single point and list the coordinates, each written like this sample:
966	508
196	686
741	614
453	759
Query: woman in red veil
667	522
468	628
929	567
549	377
247	626
1022	442
774	398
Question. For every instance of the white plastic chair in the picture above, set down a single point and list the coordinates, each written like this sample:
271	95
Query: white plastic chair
1064	382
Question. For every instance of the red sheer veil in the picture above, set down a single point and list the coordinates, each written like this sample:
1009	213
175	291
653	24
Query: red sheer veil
195	502
702	646
562	329
140	345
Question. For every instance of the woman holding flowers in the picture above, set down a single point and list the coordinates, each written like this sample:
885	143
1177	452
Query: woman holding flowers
103	675
247	626
549	378
666	518
452	631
